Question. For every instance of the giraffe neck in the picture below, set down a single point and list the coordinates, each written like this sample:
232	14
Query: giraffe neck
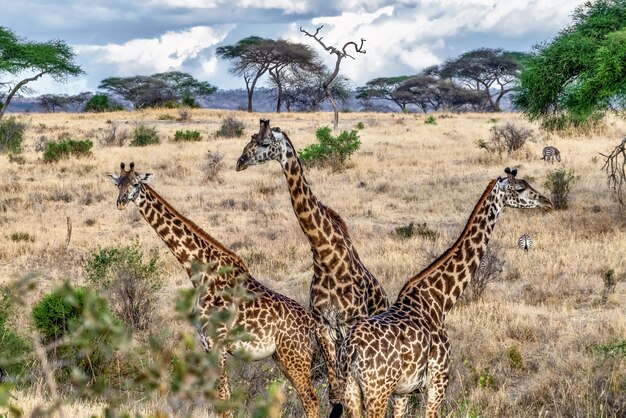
187	241
320	224
440	284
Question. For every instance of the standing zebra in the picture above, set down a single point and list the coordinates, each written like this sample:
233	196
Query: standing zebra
525	242
550	153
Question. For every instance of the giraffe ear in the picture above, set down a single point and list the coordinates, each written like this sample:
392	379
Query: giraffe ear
147	177
114	178
514	172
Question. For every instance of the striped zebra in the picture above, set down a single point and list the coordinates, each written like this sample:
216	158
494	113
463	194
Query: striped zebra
525	242
550	153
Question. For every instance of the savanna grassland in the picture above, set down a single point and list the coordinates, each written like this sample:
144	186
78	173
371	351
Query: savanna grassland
535	344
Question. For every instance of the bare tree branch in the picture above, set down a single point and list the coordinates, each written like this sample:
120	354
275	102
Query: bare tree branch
615	167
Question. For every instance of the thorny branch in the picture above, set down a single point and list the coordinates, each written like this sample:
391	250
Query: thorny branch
343	53
614	165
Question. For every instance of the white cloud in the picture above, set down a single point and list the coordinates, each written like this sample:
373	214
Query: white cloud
287	6
168	52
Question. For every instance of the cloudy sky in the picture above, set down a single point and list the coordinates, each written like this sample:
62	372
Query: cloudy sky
130	37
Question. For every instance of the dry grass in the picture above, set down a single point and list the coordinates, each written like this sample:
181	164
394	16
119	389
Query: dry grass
550	305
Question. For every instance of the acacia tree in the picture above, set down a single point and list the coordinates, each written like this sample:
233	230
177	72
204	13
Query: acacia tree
288	56
19	56
303	88
385	88
186	88
340	55
484	70
250	58
141	91
578	76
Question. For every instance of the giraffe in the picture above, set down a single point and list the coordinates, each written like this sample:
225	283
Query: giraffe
406	348
277	326
342	290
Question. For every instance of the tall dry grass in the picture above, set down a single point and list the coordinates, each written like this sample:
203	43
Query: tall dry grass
549	304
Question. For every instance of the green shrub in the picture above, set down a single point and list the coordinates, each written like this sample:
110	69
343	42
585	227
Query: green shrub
143	135
22	236
560	183
165	116
421	230
64	148
129	281
12	346
515	358
231	128
359	126
508	137
329	149
11	135
187	135
100	103
55	314
431	120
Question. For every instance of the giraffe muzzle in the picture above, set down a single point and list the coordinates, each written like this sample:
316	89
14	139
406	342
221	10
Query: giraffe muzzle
242	163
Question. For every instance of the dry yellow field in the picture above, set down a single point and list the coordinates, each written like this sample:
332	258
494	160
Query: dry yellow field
549	303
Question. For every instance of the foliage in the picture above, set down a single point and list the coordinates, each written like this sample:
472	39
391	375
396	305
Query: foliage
186	88
421	230
359	126
331	150
12	346
64	148
576	78
130	282
612	349
304	88
560	182
384	88
231	128
431	120
100	103
144	135
508	137
19	57
515	358
485	69
187	135
11	135
54	102
54	316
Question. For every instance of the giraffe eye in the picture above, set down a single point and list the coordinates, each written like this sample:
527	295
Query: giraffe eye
519	189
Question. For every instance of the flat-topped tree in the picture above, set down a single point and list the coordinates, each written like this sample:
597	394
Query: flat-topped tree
340	55
19	57
276	325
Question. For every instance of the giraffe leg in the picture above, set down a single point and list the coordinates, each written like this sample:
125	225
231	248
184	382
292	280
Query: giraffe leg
438	365
223	389
352	399
376	402
399	405
295	363
329	351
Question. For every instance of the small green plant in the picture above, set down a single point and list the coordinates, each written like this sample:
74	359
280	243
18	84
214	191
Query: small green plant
12	346
421	230
144	135
493	120
482	144
406	231
431	120
100	103
359	126
130	282
515	358
188	136
22	237
610	281
560	183
165	116
486	379
331	150
11	135
64	148
231	128
612	349
56	314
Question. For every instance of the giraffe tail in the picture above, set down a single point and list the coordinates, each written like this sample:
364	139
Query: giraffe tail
337	411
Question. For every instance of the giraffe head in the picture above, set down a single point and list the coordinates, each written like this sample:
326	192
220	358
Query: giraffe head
129	183
519	194
266	145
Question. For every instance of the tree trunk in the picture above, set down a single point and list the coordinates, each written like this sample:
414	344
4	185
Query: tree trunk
333	103
14	91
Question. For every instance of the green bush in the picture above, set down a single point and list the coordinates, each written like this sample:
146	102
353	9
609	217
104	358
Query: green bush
187	135
359	126
231	128
560	182
165	116
431	120
99	103
55	314
64	148
143	135
330	149
421	230
12	346
129	281
11	135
